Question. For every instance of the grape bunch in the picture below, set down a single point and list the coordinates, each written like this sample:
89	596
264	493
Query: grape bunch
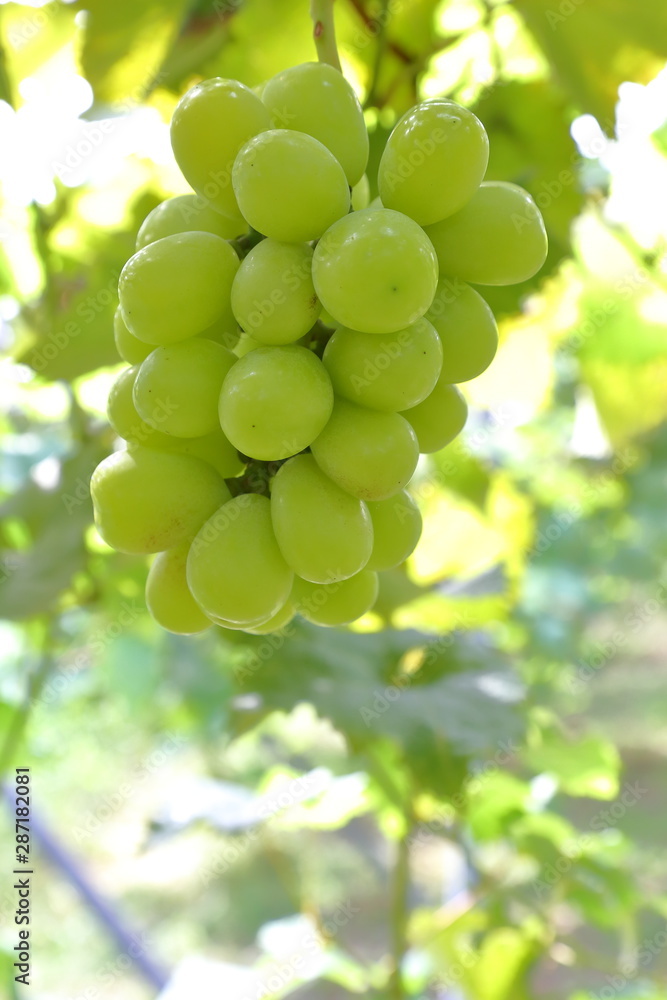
293	348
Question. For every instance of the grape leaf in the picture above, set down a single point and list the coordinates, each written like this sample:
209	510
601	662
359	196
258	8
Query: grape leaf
594	45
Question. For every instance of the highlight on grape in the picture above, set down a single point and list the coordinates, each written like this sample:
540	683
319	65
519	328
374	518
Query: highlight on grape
292	349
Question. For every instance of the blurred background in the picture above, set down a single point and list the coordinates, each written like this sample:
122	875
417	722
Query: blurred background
463	797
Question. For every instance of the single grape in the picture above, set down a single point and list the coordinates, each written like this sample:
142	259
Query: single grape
235	569
369	454
275	401
125	419
336	603
276	622
148	501
317	99
225	331
130	348
213	448
324	533
387	371
467	330
185	379
168	596
176	287
439	418
289	186
209	126
434	161
397	526
497	238
375	271
186	213
273	296
361	194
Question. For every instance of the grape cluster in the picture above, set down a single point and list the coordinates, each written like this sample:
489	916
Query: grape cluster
293	348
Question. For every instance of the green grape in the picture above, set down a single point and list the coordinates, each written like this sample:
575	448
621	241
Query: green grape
273	296
289	186
324	533
336	603
186	380
317	99
275	401
375	271
434	161
130	348
168	596
176	287
213	448
245	345
276	622
148	501
186	213
375	204
369	454
225	331
209	126
387	371
361	194
235	569
397	526
439	418
124	418
467	330
498	238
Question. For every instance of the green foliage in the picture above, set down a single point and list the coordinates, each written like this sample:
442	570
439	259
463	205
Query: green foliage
499	717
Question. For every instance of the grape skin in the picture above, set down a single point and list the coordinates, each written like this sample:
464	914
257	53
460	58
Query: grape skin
315	98
434	161
275	401
439	418
467	330
176	287
273	296
336	603
375	271
235	569
369	454
148	501
125	419
384	372
168	596
186	378
186	213
289	186
397	527
209	126
324	534
498	238
130	348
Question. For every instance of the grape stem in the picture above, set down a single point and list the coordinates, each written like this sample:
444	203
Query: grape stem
324	32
